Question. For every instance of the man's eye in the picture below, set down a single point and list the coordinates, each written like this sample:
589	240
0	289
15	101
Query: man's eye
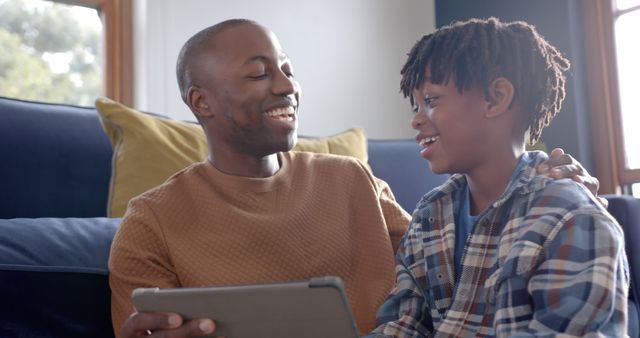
258	77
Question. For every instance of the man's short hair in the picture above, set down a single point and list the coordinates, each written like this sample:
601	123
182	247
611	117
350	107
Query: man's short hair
193	49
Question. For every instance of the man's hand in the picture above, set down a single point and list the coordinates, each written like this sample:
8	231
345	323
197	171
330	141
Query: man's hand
164	325
561	165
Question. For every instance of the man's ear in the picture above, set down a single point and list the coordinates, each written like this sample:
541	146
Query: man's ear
501	94
197	100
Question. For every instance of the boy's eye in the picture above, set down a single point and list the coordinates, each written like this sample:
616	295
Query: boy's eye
430	100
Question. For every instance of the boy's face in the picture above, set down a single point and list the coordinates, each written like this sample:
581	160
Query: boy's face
450	126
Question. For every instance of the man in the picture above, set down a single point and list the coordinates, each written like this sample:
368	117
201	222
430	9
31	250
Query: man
254	212
497	250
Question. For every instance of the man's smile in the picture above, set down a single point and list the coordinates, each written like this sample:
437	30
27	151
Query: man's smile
283	113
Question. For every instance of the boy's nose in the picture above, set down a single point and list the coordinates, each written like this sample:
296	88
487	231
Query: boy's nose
418	120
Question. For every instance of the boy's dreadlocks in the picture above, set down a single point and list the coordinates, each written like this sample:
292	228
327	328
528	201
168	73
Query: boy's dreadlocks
478	51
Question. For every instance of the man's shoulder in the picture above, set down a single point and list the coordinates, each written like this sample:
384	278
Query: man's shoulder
326	161
175	185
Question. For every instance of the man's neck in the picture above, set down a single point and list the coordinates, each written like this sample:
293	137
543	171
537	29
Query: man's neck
245	165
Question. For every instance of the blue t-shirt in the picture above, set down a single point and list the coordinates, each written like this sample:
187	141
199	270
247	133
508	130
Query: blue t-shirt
465	221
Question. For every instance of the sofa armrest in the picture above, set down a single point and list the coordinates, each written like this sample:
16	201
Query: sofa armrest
54	277
626	210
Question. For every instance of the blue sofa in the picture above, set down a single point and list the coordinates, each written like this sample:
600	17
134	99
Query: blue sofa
55	236
54	233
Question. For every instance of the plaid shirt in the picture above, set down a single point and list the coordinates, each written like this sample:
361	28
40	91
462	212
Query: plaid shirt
545	258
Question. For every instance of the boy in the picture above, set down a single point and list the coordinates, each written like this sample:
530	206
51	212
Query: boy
497	250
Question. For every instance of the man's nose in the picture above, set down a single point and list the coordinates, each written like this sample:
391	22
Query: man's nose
284	85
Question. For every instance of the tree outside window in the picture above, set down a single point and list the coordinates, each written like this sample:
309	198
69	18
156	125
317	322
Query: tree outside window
51	52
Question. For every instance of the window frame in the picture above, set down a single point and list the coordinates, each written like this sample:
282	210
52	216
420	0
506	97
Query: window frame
606	116
117	20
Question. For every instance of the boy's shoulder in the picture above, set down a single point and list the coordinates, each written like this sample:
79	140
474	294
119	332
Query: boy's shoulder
567	200
449	189
564	193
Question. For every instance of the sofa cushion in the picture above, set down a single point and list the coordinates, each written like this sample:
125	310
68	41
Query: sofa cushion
54	274
149	148
55	160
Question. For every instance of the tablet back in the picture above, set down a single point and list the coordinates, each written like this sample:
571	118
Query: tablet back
317	308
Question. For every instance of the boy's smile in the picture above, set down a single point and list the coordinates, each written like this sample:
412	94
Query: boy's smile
426	143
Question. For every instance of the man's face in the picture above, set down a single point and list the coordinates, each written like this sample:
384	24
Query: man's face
450	126
250	89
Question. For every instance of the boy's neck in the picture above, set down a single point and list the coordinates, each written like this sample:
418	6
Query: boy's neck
488	182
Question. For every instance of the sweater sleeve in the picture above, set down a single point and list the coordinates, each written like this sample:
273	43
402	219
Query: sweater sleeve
138	259
396	217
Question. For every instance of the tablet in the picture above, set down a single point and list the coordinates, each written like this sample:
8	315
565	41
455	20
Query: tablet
317	308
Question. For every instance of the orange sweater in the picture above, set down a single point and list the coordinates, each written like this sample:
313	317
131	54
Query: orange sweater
318	215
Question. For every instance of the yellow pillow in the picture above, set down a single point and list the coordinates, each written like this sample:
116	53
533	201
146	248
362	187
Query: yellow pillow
148	149
351	142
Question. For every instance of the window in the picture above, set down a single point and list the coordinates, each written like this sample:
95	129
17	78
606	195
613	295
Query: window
68	51
613	59
56	51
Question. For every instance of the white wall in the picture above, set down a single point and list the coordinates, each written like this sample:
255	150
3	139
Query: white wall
346	54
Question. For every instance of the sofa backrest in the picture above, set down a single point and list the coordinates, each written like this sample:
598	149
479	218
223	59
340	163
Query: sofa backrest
55	161
398	162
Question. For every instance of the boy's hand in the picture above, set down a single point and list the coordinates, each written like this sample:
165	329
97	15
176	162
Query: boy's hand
561	165
164	325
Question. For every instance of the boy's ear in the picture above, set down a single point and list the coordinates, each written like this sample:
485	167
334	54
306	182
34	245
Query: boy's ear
197	101
501	93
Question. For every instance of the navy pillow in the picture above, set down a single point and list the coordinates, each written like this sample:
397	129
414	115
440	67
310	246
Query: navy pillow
55	160
54	277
